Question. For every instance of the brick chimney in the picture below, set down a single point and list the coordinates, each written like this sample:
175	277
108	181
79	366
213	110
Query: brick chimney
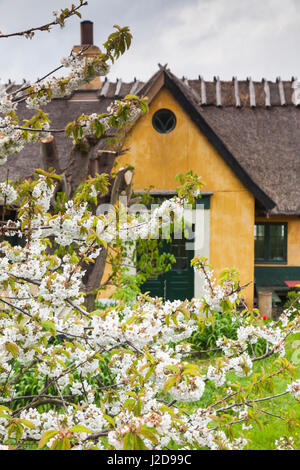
87	33
87	39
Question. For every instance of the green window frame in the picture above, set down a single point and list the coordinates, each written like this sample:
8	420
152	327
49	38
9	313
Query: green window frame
270	242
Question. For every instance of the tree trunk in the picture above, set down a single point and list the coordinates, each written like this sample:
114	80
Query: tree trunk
92	278
49	154
78	165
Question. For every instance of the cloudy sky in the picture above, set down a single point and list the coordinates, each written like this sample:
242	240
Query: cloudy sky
195	37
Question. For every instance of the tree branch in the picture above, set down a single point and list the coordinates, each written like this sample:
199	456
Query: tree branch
46	27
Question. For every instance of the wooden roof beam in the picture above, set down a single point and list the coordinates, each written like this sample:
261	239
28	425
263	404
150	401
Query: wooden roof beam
281	92
218	92
191	89
267	93
237	93
118	87
203	91
252	93
134	87
296	92
105	88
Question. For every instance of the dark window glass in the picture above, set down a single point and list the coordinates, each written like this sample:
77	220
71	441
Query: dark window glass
15	239
164	121
270	242
259	236
277	242
179	251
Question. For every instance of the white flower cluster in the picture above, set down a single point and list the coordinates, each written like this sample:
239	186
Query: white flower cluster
45	324
88	123
144	325
284	443
13	139
8	195
242	365
294	388
247	334
160	423
6	103
213	293
217	376
43	193
200	434
189	431
231	347
90	416
83	70
150	223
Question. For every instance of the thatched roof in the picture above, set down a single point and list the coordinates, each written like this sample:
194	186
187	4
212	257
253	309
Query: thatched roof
255	126
267	145
61	111
263	140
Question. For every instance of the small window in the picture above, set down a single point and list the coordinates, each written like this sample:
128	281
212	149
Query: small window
164	121
270	242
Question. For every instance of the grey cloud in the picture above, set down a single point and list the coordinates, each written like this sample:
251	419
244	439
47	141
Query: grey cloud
207	37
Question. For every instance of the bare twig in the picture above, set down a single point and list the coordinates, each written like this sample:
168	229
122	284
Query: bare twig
46	27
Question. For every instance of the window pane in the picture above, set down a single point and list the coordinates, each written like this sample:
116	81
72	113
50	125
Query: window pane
259	240
270	242
277	242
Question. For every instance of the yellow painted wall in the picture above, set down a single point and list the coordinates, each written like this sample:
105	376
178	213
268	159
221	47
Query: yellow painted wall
158	158
293	251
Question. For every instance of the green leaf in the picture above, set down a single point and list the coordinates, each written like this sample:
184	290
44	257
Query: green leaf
138	408
27	423
149	435
131	97
13	349
66	444
194	373
46	438
144	106
128	442
139	443
49	326
58	444
149	373
109	419
79	428
169	383
172	368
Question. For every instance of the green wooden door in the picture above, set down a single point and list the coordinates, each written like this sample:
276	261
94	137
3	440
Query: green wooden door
178	283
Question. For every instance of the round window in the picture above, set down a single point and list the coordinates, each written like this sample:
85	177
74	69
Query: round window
164	121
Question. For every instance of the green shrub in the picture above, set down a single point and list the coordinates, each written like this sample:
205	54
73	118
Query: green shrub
224	325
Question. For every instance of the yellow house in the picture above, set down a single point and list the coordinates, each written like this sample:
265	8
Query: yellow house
243	146
243	139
